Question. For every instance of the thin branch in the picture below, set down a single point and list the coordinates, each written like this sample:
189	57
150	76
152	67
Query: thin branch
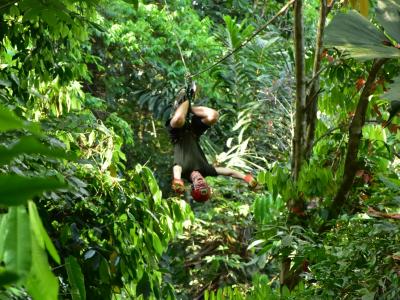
328	132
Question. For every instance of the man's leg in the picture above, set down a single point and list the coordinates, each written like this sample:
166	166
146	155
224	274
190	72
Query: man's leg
207	115
225	171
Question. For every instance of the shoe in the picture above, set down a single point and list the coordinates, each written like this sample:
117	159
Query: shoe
178	186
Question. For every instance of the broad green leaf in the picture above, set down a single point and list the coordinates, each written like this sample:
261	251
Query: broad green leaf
354	33
17	247
260	209
9	121
40	232
41	283
255	243
16	190
388	15
49	17
7	277
29	145
75	278
157	245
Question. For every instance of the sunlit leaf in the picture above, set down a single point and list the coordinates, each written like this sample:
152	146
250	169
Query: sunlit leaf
254	244
364	7
41	233
157	243
75	278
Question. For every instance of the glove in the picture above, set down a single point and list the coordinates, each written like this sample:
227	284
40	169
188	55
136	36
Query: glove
251	182
178	186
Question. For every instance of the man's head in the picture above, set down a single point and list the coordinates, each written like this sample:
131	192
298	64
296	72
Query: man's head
201	192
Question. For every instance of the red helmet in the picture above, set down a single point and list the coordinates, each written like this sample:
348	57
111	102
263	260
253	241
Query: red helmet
201	192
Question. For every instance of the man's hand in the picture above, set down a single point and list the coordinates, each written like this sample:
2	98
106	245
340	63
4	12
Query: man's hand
178	186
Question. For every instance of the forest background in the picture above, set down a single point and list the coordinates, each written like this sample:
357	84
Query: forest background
86	210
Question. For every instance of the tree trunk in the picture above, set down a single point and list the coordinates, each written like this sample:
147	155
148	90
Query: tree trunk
299	131
355	134
290	277
312	96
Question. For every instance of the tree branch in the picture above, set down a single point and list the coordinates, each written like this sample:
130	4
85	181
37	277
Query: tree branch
299	131
312	96
355	134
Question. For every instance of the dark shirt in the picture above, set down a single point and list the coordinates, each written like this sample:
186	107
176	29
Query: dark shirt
187	151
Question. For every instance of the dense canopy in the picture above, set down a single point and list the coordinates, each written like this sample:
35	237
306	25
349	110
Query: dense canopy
308	99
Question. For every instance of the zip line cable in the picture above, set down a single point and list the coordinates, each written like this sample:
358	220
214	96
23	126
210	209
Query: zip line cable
177	43
246	41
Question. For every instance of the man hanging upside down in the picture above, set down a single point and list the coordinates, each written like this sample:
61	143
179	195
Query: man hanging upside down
185	127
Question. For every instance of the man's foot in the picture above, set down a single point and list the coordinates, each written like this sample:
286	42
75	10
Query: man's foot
251	182
178	186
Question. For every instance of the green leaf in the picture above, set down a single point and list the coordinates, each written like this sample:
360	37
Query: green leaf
41	283
260	209
255	243
29	145
134	2
8	277
3	228
157	245
354	33
143	287
17	247
388	15
9	121
75	278
50	17
285	291
40	232
16	190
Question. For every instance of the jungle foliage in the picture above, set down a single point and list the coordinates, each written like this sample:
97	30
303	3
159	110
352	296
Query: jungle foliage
86	211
